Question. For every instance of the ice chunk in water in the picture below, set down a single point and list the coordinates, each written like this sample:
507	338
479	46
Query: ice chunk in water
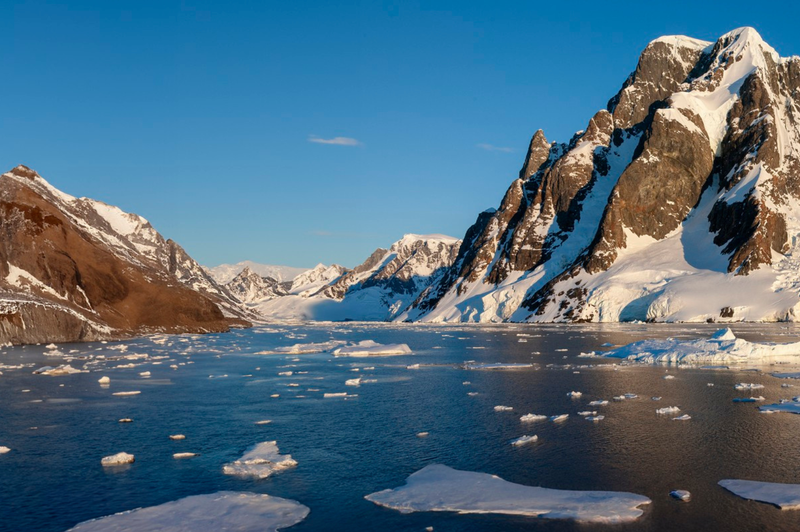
260	461
784	496
441	488
681	495
501	408
529	418
668	410
522	440
213	512
117	459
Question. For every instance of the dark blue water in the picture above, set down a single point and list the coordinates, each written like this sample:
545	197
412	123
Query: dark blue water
52	479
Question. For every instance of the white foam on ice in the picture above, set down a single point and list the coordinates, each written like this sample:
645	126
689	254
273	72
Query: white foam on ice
440	488
224	510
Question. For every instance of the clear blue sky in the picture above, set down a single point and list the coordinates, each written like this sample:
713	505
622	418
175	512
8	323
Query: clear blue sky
202	116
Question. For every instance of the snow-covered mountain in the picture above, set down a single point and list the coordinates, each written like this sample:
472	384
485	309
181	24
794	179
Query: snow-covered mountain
224	273
77	269
250	287
680	201
384	285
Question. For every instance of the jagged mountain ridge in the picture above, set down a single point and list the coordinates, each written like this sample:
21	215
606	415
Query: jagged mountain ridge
689	182
80	269
224	273
381	287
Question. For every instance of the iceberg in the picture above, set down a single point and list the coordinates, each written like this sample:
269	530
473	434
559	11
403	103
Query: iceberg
117	459
368	348
561	417
260	461
530	418
668	410
522	440
723	347
681	495
501	408
438	488
224	510
784	496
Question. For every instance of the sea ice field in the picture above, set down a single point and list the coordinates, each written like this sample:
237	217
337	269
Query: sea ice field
354	426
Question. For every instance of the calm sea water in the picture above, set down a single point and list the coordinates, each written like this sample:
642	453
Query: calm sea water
346	449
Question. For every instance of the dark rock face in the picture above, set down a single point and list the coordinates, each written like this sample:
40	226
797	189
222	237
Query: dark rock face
721	118
63	281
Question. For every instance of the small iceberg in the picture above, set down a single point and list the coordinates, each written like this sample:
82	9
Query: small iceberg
180	456
117	459
748	386
574	395
501	408
104	380
177	437
600	402
558	418
438	488
368	348
685	417
260	461
681	495
595	418
530	418
748	399
522	440
4	449
668	410
784	496
136	392
224	510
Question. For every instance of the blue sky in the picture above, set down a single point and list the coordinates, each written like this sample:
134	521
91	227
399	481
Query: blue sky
315	131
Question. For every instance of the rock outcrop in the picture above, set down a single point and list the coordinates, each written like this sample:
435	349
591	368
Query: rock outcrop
692	172
76	269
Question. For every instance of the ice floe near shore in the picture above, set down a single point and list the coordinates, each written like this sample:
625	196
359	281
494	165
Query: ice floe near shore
260	461
784	496
224	510
441	488
368	348
723	347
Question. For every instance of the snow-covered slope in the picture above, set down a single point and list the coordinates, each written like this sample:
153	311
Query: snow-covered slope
679	202
224	273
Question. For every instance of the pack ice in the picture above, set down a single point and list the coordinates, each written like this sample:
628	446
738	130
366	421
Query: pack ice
438	488
369	348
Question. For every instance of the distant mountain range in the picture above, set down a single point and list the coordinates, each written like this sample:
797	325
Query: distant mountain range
679	202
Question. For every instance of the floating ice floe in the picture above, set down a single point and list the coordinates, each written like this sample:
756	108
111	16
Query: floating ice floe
439	488
668	377
655	398
685	417
668	410
4	449
304	349
587	413
574	394
177	437
530	418
264	422
117	459
472	394
125	420
368	348
333	395
135	392
224	510
748	386
501	408
722	347
260	461
681	495
599	402
560	417
496	365
748	399
422	434
792	406
104	380
353	382
791	375
64	369
595	418
285	373
144	374
522	440
179	456
784	496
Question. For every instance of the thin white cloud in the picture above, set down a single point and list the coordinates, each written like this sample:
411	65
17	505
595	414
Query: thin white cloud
336	141
489	147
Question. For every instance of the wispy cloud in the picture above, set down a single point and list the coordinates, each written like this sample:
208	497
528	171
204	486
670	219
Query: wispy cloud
336	141
490	147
